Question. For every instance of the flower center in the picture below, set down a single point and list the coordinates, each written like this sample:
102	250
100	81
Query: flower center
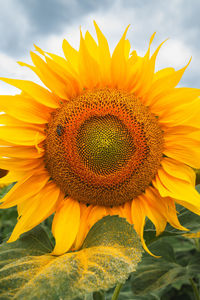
103	147
104	144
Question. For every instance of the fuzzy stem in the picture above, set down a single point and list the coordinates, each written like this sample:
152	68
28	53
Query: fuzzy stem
195	289
117	291
197	244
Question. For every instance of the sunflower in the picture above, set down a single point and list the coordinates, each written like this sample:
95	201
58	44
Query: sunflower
108	136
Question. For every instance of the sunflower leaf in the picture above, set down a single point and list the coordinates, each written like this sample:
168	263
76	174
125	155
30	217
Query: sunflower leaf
176	266
109	254
186	218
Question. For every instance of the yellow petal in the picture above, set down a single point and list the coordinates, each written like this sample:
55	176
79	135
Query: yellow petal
5	143
185	114
162	73
7	120
96	213
12	176
25	109
165	206
162	85
20	152
54	82
170	102
194	207
104	56
34	90
153	213
91	45
140	72
71	55
88	66
84	226
116	211
27	187
39	50
65	225
63	63
134	71
195	235
18	164
183	149
126	212
178	170
21	136
138	217
139	66
172	217
118	62
180	130
146	78
36	209
72	86
17	132
180	190
127	48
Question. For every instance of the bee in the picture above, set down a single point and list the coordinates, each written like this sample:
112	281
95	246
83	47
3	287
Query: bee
59	129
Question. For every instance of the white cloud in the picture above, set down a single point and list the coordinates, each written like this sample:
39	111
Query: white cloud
174	53
145	17
10	68
114	21
14	24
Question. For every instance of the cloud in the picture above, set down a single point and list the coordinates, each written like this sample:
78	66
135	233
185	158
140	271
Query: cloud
48	22
24	21
14	27
145	18
10	68
48	16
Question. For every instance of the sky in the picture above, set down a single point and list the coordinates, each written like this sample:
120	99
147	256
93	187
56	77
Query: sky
46	23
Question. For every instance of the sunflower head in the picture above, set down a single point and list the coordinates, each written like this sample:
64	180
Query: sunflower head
103	148
108	136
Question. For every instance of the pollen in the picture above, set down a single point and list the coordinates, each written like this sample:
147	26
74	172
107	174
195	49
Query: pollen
103	147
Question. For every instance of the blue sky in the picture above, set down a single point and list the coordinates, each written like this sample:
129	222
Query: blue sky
47	22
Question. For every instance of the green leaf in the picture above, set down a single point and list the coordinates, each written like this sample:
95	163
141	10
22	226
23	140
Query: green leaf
8	217
109	254
188	219
6	189
155	274
34	243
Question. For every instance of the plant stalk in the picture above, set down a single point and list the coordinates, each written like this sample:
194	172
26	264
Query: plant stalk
195	289
117	291
197	244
